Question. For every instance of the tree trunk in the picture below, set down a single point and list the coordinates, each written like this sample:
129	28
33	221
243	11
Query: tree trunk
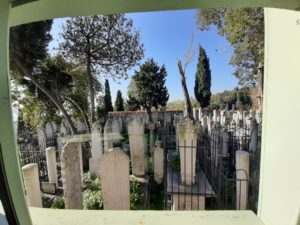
91	88
83	114
49	95
185	91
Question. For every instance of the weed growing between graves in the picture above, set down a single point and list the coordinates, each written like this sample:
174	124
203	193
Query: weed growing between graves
136	195
58	203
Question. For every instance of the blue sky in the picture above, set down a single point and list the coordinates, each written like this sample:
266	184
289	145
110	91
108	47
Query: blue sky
166	37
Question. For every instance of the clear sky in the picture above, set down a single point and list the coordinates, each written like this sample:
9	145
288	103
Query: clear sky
166	37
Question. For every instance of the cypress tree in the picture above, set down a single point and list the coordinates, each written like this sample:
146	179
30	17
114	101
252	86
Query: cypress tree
119	103
203	79
108	107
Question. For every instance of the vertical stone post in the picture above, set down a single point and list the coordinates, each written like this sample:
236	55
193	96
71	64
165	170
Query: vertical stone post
151	127
242	179
215	116
200	114
188	133
96	149
195	114
114	173
71	175
111	133
253	129
159	159
137	145
41	139
225	141
32	185
51	165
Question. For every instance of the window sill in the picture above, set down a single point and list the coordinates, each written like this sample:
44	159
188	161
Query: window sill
89	217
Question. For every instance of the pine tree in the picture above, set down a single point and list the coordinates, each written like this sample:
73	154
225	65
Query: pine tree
119	103
203	79
108	107
150	82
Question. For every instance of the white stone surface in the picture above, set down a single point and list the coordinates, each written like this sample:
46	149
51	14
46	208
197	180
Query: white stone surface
49	130
159	158
188	202
41	139
96	149
137	144
111	133
32	185
188	133
114	173
71	175
242	175
51	164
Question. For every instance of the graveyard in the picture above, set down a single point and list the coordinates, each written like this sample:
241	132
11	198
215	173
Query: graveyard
169	163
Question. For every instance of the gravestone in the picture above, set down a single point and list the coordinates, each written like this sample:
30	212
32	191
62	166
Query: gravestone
49	130
41	139
63	130
71	175
54	127
32	185
51	164
225	141
96	149
137	145
159	158
114	173
111	134
188	133
253	135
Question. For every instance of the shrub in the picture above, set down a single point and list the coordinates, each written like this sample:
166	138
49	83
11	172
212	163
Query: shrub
58	203
136	194
92	199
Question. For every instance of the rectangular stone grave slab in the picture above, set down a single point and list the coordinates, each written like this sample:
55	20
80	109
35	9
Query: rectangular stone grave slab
48	187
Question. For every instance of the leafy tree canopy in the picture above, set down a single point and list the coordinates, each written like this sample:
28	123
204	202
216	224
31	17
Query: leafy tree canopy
119	103
150	83
244	29
203	79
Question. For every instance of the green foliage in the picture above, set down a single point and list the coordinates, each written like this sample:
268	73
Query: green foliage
244	29
156	195
29	42
241	98
174	162
136	195
110	42
150	85
132	103
180	104
107	98
58	203
203	79
92	197
92	200
119	103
